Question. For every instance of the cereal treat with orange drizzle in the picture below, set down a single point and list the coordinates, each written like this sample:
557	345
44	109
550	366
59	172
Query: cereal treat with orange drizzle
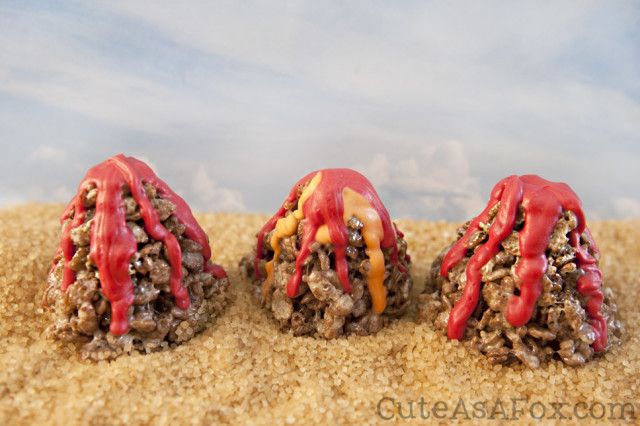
133	270
522	281
330	261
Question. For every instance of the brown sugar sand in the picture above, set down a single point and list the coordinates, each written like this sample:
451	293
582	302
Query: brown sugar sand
242	370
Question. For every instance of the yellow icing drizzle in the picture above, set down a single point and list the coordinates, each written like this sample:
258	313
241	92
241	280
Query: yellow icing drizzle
286	227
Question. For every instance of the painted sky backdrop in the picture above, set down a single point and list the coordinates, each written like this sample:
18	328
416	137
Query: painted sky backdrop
233	101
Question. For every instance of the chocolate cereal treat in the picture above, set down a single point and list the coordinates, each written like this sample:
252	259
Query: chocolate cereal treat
522	282
133	269
330	261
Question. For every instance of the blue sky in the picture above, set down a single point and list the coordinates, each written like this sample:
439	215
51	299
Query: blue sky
231	102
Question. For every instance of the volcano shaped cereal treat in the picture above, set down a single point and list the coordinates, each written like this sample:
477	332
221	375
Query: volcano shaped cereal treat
522	280
330	261
133	269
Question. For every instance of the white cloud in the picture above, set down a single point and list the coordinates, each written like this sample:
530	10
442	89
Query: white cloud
47	153
550	80
9	200
31	193
432	59
489	61
70	75
626	207
62	194
208	195
434	182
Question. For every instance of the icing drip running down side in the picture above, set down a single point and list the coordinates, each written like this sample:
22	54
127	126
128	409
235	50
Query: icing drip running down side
543	202
329	199
113	243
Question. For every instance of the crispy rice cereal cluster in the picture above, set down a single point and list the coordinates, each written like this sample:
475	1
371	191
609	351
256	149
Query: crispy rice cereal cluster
82	313
323	308
559	326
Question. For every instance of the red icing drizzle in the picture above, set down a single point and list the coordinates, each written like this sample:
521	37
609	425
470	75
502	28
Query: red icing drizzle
112	242
326	206
543	203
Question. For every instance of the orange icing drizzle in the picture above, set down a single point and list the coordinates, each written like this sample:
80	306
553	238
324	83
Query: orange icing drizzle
331	198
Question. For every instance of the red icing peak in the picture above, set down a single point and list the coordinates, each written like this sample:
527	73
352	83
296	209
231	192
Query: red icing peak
543	203
325	206
113	243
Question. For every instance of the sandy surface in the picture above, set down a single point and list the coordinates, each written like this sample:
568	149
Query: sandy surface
242	370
